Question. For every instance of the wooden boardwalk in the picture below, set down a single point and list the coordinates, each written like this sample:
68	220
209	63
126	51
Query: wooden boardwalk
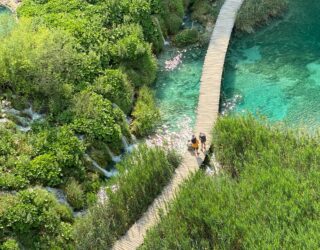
208	110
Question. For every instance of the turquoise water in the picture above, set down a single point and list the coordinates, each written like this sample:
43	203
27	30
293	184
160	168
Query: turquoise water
177	90
275	72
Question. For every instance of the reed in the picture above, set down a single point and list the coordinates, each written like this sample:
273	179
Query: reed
269	198
143	174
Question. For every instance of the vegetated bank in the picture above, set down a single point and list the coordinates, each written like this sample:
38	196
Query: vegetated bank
266	197
71	72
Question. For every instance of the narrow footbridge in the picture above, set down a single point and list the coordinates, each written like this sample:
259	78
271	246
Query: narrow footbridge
207	114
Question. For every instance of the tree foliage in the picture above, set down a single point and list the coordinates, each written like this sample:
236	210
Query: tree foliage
114	85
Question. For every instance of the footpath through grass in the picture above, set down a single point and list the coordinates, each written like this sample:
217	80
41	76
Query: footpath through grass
143	175
267	197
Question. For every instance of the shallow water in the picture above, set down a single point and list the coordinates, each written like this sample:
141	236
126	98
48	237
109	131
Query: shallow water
177	86
275	72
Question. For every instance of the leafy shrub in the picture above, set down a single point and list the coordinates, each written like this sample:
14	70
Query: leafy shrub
146	114
186	37
142	176
173	23
10	244
46	157
45	170
75	194
114	85
65	147
204	11
97	118
33	63
10	181
32	217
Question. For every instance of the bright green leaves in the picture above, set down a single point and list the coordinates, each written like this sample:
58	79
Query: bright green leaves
114	86
35	219
38	62
96	118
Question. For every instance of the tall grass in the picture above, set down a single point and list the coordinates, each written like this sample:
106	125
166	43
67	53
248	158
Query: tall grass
272	202
142	177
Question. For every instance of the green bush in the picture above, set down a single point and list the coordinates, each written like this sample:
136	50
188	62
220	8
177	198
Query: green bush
75	194
143	72
114	85
10	181
203	11
65	148
95	117
146	114
186	37
173	23
33	63
270	202
10	244
45	170
142	176
169	13
45	157
32	217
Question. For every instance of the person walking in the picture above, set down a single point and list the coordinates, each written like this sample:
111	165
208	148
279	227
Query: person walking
195	145
203	140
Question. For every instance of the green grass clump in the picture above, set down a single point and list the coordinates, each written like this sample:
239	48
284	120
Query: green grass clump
254	13
143	174
186	37
268	197
75	194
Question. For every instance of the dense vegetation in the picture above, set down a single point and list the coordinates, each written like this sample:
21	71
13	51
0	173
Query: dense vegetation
85	65
268	196
254	13
143	174
35	220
